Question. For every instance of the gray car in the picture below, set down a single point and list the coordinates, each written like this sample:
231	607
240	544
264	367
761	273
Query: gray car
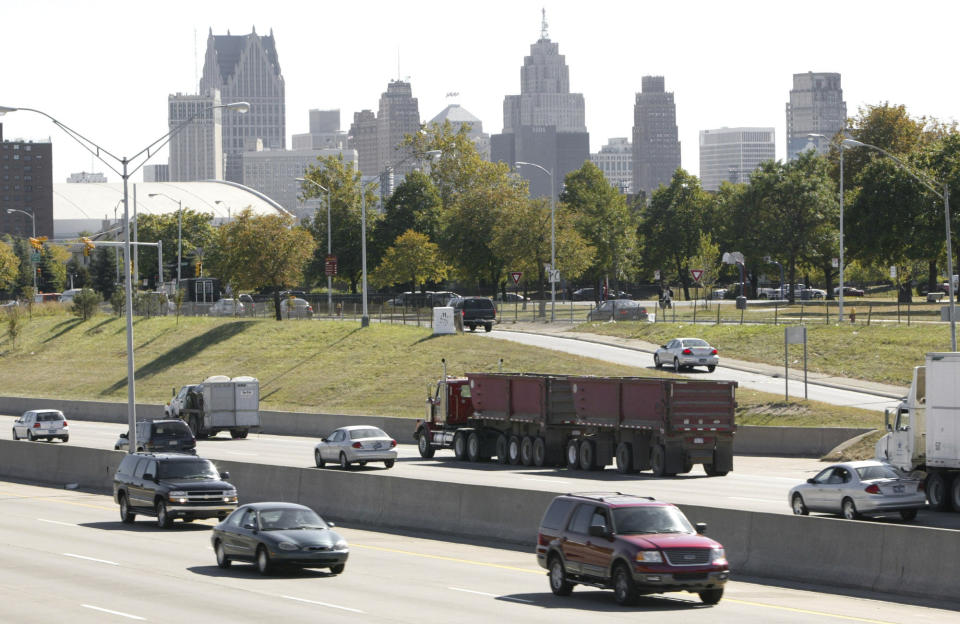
356	444
685	353
861	487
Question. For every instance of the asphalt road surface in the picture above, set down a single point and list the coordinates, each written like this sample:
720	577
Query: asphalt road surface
67	557
756	483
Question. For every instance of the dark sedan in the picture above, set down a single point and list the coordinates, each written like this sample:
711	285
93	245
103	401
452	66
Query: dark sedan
618	310
279	534
848	291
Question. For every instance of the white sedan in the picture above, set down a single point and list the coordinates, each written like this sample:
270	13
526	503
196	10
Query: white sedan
226	307
685	353
356	444
861	487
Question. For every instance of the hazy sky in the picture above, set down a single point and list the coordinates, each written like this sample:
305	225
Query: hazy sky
105	68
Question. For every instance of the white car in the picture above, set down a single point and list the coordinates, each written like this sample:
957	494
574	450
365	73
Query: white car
685	353
356	444
41	424
860	487
226	307
295	308
69	294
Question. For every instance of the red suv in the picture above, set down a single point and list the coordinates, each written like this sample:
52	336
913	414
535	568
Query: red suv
632	544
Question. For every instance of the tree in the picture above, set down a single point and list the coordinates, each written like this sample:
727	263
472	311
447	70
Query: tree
53	268
414	205
412	258
197	232
9	267
103	271
85	303
262	252
79	273
707	259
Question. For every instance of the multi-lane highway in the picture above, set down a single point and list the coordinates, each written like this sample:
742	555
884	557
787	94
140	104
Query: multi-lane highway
67	557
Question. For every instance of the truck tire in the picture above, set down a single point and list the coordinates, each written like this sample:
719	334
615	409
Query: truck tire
713	472
238	434
658	460
474	447
955	493
501	449
573	453
513	450
488	327
937	491
624	458
588	455
460	445
539	452
526	451
423	444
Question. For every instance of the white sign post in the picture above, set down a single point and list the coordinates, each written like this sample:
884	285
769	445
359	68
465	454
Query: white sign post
794	335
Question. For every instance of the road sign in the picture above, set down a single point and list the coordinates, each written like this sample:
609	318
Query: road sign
554	275
656	275
515	276
835	262
35	257
697	274
330	266
893	271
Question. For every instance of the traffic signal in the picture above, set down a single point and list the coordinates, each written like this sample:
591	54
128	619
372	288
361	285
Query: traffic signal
88	246
198	269
38	242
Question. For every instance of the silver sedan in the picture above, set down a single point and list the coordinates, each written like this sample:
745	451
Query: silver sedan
685	353
356	444
860	487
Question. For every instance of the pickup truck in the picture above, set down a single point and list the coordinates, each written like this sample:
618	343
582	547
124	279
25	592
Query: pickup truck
475	312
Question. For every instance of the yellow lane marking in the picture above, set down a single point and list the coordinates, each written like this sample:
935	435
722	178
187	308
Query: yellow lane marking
453	559
851	618
55	500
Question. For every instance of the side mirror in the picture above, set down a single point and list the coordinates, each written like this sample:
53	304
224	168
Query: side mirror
889	427
173	392
323	439
811	481
701	527
225	475
250	526
598	530
331	524
124	435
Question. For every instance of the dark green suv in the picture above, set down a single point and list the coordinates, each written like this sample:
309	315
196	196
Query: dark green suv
171	485
475	312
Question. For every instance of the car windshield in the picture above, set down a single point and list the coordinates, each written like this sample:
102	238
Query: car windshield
696	342
372	432
869	473
177	429
192	469
290	520
650	519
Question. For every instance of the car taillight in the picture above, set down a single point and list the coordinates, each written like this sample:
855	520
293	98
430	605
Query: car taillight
393	443
64	423
36	425
463	312
543	540
687	352
714	352
872	489
357	445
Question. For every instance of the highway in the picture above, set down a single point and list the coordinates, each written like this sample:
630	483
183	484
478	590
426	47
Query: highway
756	483
67	557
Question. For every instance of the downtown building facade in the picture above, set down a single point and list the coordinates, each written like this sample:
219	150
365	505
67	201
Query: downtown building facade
26	186
545	124
732	154
156	173
459	117
615	160
816	106
274	173
196	151
324	132
656	144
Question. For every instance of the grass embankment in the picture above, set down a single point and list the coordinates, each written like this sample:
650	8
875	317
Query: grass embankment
881	353
316	366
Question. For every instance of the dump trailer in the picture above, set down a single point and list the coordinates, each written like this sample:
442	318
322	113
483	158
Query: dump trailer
924	437
657	424
223	404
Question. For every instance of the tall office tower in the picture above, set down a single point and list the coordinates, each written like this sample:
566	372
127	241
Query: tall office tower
363	138
656	148
156	173
732	154
196	152
245	68
399	116
816	106
615	160
324	132
458	116
26	186
545	123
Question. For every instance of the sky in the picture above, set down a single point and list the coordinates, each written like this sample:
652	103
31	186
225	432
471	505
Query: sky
105	67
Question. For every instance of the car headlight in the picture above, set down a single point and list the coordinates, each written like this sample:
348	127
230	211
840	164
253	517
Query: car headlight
649	556
177	496
287	546
718	556
230	496
340	545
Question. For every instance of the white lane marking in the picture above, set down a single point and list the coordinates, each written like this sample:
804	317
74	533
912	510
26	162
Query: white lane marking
120	613
480	593
241	453
57	522
544	480
760	500
322	604
90	559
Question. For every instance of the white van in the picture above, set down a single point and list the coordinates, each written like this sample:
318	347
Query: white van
69	294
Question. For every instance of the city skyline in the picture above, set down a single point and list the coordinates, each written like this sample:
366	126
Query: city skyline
475	52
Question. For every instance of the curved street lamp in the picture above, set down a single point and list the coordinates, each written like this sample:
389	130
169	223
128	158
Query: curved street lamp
553	237
33	221
329	242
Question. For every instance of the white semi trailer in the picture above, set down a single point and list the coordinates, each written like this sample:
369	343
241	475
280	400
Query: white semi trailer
223	404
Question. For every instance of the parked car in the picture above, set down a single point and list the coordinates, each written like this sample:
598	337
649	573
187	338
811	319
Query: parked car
475	312
279	534
69	294
852	489
356	444
441	298
44	424
286	294
511	297
685	353
583	294
618	310
295	308
631	544
813	293
226	307
168	486
173	435
720	293
848	291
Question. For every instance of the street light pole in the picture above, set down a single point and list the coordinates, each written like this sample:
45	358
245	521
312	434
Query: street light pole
33	221
125	172
365	318
930	184
553	237
329	243
179	230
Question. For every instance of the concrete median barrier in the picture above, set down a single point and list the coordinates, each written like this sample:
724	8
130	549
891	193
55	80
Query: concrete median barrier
791	441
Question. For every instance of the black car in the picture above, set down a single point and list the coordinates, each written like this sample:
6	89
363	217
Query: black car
279	534
475	312
618	310
171	485
164	436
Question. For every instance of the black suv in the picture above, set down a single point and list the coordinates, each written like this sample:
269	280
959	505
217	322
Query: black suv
475	311
168	435
171	485
634	545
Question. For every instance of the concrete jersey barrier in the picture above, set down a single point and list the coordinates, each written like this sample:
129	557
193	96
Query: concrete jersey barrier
898	559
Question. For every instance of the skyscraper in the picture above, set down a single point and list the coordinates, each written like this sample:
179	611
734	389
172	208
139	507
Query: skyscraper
363	138
399	116
615	160
26	186
732	154
196	152
545	123
458	116
816	106
656	148
245	68
324	132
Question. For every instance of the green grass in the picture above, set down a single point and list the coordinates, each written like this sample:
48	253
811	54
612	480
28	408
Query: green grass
313	366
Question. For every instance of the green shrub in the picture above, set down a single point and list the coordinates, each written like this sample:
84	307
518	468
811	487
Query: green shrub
85	303
118	300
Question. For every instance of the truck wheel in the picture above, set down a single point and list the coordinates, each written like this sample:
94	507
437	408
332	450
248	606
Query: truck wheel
513	450
711	596
473	447
955	493
460	445
624	458
488	327
658	462
624	589
937	491
559	584
163	518
526	451
539	452
573	453
502	449
713	472
238	434
588	455
423	445
125	514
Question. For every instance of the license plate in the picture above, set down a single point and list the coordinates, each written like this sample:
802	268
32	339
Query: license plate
698	440
172	442
898	489
702	360
377	445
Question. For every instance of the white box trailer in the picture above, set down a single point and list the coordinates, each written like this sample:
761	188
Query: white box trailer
224	404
